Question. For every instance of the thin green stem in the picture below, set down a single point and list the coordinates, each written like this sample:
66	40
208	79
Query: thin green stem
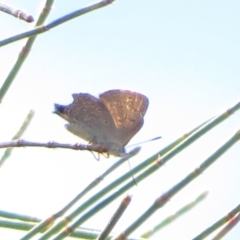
42	29
24	53
16	13
20	132
162	200
218	224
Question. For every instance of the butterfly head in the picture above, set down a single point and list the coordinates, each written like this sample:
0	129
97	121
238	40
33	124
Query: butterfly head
112	148
61	111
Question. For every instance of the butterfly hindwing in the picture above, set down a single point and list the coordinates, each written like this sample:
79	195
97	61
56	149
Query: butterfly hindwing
88	118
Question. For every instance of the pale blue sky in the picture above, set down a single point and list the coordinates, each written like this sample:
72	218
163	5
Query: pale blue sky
184	55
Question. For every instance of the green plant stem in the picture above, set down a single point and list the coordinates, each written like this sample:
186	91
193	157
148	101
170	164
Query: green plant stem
115	218
80	234
42	29
50	220
232	223
24	53
173	217
20	132
218	224
16	13
162	200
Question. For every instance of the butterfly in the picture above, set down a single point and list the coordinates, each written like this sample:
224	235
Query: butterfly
109	121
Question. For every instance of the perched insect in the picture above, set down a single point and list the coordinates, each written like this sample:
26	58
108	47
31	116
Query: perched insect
109	121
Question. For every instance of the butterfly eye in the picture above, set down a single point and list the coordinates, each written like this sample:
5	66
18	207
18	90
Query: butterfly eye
60	108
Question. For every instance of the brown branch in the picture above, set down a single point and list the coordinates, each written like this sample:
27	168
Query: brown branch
76	146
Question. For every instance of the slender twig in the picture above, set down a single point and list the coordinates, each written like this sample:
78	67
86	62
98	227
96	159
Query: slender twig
218	224
11	215
232	223
24	53
16	13
174	216
96	182
44	28
76	146
20	132
115	218
50	220
81	233
163	199
185	140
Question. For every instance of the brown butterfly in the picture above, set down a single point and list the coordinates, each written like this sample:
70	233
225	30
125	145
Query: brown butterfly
109	121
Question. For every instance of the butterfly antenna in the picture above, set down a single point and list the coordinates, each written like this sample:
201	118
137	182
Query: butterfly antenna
131	171
153	139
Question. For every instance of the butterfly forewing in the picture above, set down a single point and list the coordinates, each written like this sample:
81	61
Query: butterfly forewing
127	109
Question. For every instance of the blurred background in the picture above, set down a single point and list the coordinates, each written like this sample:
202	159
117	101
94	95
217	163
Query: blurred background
183	55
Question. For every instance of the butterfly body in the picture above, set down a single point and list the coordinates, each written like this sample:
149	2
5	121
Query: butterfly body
109	121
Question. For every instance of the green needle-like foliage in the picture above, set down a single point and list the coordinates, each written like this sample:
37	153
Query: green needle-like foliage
68	220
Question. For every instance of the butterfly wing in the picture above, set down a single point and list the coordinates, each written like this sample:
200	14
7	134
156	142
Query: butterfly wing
88	117
127	110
